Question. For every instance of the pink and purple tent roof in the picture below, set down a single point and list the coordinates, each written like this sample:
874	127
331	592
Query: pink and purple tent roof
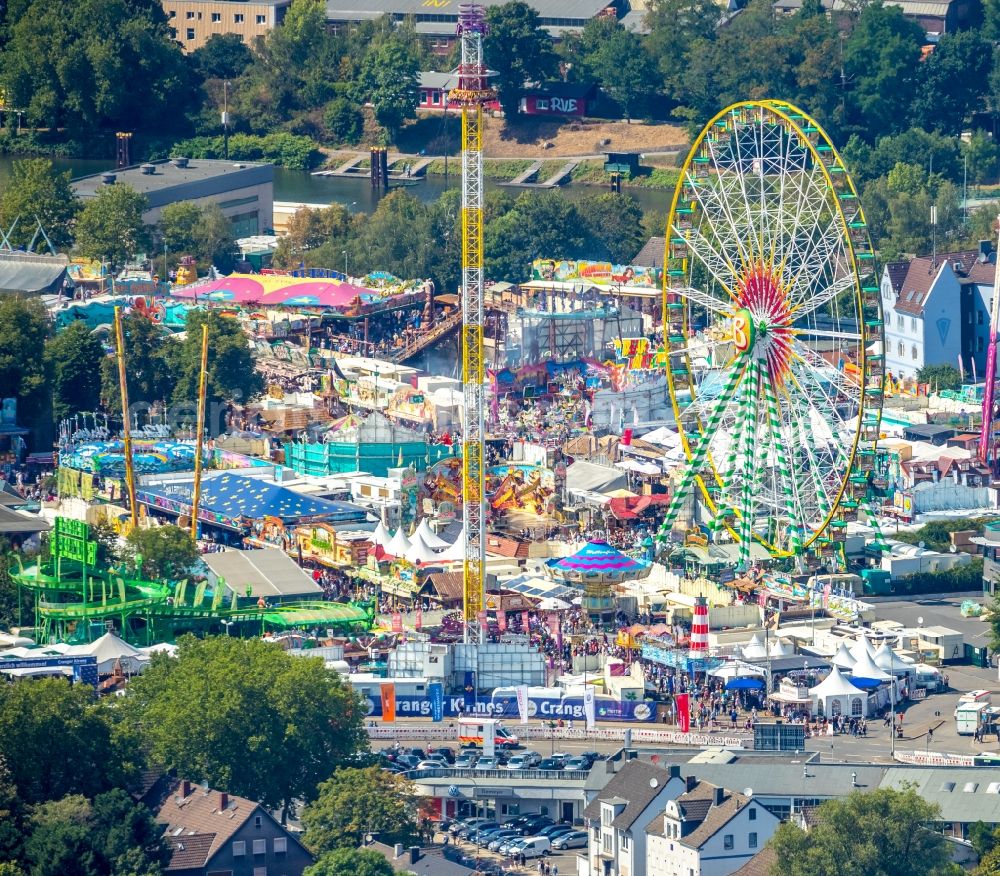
598	558
273	290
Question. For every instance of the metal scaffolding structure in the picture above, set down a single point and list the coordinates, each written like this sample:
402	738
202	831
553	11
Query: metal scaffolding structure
471	95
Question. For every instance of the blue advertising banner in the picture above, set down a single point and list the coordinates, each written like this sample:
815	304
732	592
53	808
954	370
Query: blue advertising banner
540	708
436	692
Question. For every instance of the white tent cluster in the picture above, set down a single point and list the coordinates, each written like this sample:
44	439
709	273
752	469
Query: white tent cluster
425	546
855	667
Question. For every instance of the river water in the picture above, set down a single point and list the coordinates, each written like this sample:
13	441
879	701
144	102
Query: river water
302	187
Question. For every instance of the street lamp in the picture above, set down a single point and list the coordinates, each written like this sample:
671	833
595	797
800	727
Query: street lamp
344	254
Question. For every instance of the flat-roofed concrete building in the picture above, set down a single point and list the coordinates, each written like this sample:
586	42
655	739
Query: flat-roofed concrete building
435	20
194	22
243	190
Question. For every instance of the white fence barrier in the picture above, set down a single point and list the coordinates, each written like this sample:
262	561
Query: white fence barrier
643	735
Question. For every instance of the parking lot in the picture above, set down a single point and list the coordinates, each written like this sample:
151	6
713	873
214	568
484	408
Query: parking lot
562	862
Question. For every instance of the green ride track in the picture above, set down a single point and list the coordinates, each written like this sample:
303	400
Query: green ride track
74	602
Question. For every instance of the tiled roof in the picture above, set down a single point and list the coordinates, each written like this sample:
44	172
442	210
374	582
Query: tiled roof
697	805
761	864
911	291
897	273
448	585
651	255
199	814
632	783
506	547
190	851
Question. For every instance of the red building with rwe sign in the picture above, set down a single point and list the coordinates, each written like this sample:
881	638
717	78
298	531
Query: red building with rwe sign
558	99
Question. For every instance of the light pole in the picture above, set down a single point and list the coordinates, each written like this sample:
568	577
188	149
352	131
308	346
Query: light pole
344	254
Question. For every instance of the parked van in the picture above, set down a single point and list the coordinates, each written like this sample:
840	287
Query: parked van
470	732
535	846
969	717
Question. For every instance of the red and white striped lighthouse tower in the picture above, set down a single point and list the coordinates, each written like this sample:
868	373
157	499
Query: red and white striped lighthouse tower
699	628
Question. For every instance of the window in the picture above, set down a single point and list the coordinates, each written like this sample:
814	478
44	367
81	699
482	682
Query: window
238	18
436	98
834	708
727	841
606	843
260	847
260	871
624	842
900	348
979	317
752	840
216	17
261	19
239	849
257	821
856	707
899	321
280	845
189	33
913	324
237	202
913	352
172	13
752	814
607	814
189	15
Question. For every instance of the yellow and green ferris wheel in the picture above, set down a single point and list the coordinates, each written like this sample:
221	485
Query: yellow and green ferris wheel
773	328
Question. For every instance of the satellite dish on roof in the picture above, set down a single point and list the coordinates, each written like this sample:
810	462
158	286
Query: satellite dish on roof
653	782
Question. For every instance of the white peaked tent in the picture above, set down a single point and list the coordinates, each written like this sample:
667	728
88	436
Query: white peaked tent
835	695
843	658
456	551
754	649
866	668
110	649
431	538
862	646
419	551
399	544
886	660
781	648
381	535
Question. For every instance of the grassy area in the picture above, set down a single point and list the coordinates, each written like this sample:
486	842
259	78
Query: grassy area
593	172
496	169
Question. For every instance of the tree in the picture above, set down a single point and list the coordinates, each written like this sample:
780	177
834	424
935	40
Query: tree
88	65
350	862
75	357
983	158
881	833
110	836
167	552
308	229
518	50
179	226
618	60
243	715
952	81
675	26
56	740
389	83
147	367
110	226
24	370
231	372
343	121
614	225
355	802
940	377
37	193
881	58
224	56
537	226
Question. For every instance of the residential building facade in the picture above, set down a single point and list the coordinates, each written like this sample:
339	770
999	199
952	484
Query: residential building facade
707	831
619	815
194	22
211	833
937	312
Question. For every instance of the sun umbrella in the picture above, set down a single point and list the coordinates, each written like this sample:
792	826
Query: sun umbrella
744	684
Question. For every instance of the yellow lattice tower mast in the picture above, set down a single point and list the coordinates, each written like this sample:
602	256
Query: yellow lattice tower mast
471	94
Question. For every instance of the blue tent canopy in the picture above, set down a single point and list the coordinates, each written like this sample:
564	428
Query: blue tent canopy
232	496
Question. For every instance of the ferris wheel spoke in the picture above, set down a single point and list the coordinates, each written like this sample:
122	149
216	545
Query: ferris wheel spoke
743	241
709	302
822	372
823	247
854	337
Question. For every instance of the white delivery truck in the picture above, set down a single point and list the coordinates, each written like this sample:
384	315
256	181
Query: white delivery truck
969	717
